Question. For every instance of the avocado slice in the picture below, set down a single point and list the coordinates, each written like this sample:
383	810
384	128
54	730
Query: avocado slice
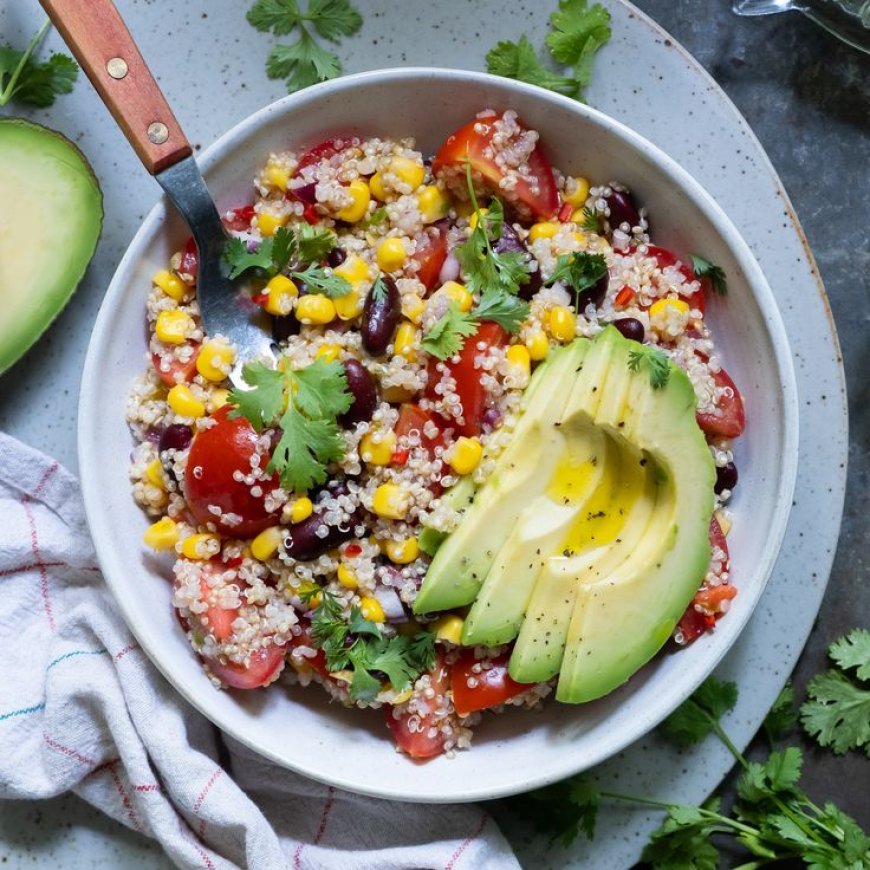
49	226
459	497
591	536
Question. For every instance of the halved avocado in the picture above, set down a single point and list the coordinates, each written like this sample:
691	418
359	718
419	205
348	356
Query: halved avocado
51	213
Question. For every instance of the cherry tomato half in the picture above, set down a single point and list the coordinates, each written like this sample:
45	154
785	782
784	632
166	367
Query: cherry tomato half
317	662
493	686
179	372
430	255
417	742
728	420
189	264
323	151
470	143
239	219
215	455
666	258
264	665
414	418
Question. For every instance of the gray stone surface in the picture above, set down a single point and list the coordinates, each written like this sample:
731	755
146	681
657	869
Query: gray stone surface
807	97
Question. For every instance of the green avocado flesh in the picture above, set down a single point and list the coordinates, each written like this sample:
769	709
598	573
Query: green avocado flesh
51	213
591	536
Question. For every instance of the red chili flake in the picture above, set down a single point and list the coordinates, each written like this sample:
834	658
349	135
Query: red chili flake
352	551
624	297
260	299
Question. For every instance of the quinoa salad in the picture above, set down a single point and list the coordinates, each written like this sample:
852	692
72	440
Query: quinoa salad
412	300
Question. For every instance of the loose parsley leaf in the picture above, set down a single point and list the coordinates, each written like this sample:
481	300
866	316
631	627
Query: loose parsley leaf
517	60
853	651
579	271
683	840
264	401
304	450
561	810
333	19
694	719
312	243
279	16
837	713
506	310
781	717
302	63
578	32
240	259
32	83
320	389
657	363
705	269
448	335
324	281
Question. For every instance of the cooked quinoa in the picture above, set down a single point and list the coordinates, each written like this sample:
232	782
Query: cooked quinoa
244	592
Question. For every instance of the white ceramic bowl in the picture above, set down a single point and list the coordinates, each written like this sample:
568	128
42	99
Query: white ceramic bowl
297	728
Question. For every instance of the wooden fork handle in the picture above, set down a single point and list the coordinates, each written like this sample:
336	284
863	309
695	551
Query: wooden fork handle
97	36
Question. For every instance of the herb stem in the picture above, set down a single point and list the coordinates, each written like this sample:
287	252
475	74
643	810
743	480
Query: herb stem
6	94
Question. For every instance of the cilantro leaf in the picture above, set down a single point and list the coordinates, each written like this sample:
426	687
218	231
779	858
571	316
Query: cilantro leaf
518	60
705	269
324	281
32	83
683	840
360	625
333	19
561	810
781	717
264	401
853	651
304	244
302	63
657	363
313	243
837	713
304	449
695	718
379	289
320	389
285	244
279	16
240	259
578	31
580	271
377	217
448	335
505	309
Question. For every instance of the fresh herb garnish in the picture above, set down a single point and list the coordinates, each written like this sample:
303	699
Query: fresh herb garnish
773	818
448	334
31	83
379	289
705	269
305	404
577	32
324	281
304	62
401	658
579	271
506	310
781	717
657	363
591	221
377	217
837	711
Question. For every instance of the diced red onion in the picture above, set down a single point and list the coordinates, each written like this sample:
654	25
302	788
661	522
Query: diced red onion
449	269
389	600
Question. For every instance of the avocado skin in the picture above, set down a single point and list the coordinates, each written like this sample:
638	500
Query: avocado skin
596	617
26	150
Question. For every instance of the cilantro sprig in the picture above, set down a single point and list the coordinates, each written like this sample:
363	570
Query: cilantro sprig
705	269
358	644
580	271
31	83
656	361
304	404
304	62
447	336
577	32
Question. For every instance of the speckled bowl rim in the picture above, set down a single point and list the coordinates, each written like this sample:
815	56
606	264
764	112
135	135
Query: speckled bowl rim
616	739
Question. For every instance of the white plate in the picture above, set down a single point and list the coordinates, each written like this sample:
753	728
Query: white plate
719	149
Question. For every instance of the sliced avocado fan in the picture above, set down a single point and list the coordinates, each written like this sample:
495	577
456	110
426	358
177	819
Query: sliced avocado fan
590	537
51	213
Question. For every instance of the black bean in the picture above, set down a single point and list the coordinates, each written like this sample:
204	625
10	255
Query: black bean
365	394
726	478
622	209
284	327
336	257
303	542
629	327
175	437
380	317
594	294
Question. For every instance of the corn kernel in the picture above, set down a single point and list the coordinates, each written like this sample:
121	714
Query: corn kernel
265	545
457	293
173	326
218	398
328	352
662	307
449	628
563	323
518	355
579	194
154	473
309	592
315	308
277	176
724	521
346	577
545	230
215	360
466	456
200	546
405	343
350	305
360	197
371	609
475	216
301	510
162	535
413	308
354	270
579	216
376	186
280	293
538	345
433	203
409	171
395	394
380	451
170	284
390	501
269	224
182	400
391	255
402	552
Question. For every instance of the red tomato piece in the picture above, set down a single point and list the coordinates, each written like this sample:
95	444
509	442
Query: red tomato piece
220	619
471	142
179	372
239	219
430	255
411	732
323	151
728	420
565	212
472	393
265	664
694	623
718	541
189	264
414	418
318	662
666	258
215	455
494	686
